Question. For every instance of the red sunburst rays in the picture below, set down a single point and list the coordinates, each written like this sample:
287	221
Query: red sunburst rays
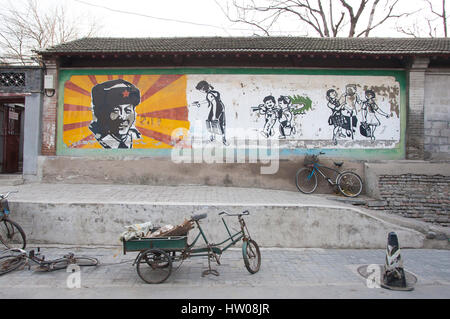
177	113
163	81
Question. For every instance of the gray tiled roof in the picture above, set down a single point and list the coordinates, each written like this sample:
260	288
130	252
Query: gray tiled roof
390	46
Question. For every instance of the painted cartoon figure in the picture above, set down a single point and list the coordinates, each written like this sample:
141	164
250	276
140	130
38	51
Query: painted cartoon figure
351	103
285	117
344	111
113	105
370	120
284	112
351	99
336	119
270	110
215	123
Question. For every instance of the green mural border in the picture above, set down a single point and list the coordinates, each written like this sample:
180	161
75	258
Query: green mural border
359	154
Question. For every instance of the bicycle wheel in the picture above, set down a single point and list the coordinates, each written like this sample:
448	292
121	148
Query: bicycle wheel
252	256
154	266
349	184
12	235
306	180
10	263
86	261
52	265
63	263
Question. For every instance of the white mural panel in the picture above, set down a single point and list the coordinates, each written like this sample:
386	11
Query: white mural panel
299	110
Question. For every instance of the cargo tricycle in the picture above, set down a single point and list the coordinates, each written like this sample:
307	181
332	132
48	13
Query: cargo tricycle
157	255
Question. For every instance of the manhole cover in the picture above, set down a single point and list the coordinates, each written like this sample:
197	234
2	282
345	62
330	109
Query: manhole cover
368	270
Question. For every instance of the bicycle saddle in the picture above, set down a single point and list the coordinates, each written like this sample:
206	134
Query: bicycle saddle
338	164
198	217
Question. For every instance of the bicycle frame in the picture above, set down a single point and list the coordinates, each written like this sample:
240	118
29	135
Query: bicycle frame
4	206
8	225
315	167
36	257
21	253
4	209
234	238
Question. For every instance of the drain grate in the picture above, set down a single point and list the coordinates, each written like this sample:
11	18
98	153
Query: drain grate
365	272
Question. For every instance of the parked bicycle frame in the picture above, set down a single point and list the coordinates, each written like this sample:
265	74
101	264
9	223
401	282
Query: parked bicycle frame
156	255
15	258
348	183
250	248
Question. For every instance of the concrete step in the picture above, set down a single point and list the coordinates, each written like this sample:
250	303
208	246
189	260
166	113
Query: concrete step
11	179
87	214
358	201
302	226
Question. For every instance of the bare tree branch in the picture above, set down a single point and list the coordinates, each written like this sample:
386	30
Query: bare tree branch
355	18
31	29
389	15
431	20
441	15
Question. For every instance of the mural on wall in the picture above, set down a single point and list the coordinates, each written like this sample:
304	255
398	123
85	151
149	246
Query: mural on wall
142	111
114	107
123	111
345	111
215	122
304	111
370	120
283	112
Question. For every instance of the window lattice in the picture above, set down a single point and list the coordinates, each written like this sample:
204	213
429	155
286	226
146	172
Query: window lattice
12	79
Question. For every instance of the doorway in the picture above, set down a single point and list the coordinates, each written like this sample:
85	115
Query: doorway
11	136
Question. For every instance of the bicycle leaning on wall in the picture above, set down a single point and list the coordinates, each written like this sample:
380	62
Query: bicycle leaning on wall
11	234
348	183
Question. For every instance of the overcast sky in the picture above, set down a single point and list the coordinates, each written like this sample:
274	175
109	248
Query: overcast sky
169	18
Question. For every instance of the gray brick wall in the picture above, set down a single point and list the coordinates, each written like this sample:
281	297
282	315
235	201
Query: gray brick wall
437	115
425	197
416	105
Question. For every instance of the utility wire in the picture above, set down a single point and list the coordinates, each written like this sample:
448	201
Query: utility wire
153	17
171	20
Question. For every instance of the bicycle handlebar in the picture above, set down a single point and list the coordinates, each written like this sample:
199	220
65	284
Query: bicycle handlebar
2	196
245	212
14	250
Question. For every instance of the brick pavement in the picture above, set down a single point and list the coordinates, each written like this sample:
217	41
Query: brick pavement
284	273
179	195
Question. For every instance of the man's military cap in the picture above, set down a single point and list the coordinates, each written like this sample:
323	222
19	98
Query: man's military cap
108	94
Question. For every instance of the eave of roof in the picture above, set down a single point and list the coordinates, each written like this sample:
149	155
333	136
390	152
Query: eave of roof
252	45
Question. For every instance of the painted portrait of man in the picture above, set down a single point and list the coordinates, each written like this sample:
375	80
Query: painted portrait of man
114	115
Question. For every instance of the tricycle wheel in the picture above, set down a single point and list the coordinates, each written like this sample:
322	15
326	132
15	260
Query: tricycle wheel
154	266
159	265
252	256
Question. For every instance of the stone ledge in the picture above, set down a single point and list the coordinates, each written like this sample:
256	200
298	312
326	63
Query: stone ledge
272	226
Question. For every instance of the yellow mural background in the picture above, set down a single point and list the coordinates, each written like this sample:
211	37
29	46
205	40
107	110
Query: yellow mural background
163	109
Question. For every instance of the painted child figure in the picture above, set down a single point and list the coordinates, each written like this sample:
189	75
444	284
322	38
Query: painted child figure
370	110
351	103
285	117
269	109
336	118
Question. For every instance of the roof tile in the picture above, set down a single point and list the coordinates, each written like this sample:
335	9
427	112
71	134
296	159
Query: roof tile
254	44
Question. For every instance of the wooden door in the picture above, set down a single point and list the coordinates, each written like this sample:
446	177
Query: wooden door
11	138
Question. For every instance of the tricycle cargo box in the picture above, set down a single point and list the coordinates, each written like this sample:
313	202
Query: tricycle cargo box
164	243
